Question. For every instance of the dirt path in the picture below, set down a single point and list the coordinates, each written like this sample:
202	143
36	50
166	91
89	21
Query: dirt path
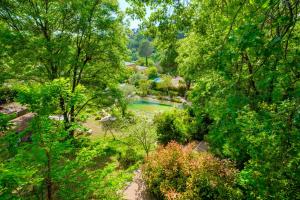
202	146
137	189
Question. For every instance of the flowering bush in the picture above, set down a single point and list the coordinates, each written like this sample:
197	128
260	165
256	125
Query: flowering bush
178	172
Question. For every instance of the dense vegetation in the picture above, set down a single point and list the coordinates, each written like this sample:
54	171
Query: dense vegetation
64	61
242	58
177	172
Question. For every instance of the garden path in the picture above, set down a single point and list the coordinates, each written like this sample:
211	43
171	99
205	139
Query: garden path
137	190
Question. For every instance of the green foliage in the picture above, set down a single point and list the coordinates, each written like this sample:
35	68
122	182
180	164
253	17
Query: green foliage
36	165
5	123
168	56
145	50
165	84
143	133
142	62
177	172
152	72
268	135
242	65
136	78
128	158
82	42
76	44
45	99
50	160
135	39
144	87
51	163
172	126
7	94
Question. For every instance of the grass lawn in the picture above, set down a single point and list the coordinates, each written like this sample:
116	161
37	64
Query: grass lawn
139	108
91	123
149	109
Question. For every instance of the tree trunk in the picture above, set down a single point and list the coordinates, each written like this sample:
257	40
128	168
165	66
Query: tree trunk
48	180
72	119
146	61
65	113
252	90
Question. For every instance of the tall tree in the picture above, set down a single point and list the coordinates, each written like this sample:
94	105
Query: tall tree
145	50
79	40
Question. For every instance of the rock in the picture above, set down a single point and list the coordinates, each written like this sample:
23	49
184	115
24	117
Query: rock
56	117
108	118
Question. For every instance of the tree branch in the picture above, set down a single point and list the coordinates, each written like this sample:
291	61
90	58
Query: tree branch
85	104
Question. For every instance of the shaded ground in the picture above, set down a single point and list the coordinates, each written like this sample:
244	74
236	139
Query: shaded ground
202	147
22	122
137	189
96	127
13	108
21	115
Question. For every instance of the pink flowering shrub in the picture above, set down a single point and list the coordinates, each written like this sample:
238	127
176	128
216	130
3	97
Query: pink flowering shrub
178	172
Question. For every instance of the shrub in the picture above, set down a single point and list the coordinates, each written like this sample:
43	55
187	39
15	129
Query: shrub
128	90
181	126
5	123
165	85
136	77
128	158
177	172
152	72
199	126
172	126
173	94
144	87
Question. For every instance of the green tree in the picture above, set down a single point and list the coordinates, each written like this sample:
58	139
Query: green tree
135	39
172	126
242	63
79	40
145	50
43	161
143	133
49	166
